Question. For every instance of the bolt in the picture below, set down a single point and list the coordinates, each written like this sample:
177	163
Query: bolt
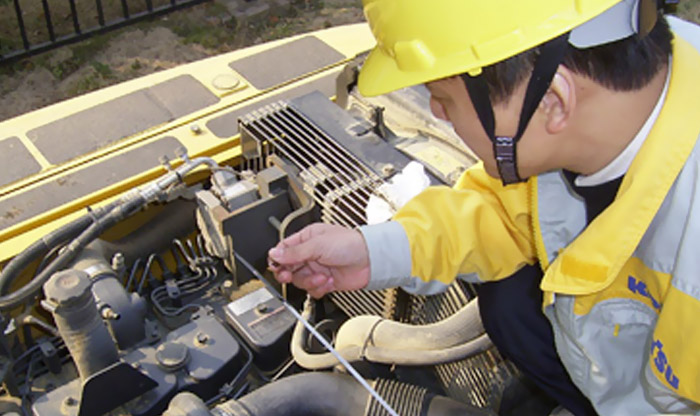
201	338
227	288
195	129
181	152
109	314
248	175
118	262
388	169
70	401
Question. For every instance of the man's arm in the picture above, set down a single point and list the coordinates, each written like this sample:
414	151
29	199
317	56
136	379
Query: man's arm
479	227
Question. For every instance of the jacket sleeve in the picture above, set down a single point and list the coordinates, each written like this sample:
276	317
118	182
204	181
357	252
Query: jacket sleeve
479	226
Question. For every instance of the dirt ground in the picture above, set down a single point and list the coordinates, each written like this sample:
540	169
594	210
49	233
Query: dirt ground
174	39
143	48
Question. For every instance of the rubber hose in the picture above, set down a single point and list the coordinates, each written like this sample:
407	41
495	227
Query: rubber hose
428	357
67	232
177	219
458	328
308	394
80	227
327	394
444	406
394	357
187	404
431	353
93	231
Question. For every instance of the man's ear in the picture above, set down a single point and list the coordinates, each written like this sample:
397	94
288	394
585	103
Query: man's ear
558	104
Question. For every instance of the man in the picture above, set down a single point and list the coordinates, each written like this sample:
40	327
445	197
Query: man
586	116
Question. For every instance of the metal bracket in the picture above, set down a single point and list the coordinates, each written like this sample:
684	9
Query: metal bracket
112	387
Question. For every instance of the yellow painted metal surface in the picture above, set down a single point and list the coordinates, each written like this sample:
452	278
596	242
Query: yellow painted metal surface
211	72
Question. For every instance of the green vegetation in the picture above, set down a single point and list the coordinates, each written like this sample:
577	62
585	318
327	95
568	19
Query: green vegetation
80	54
98	78
690	10
210	37
102	69
86	84
8	44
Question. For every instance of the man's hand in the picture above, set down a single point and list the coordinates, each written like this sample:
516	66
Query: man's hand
322	258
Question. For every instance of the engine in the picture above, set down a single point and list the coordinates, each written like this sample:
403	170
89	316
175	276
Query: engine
167	318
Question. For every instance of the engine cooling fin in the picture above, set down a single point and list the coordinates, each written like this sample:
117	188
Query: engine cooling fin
406	399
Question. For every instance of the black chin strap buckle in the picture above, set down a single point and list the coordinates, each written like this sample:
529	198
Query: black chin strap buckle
551	55
504	151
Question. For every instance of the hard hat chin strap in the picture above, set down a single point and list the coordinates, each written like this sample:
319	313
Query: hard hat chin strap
550	56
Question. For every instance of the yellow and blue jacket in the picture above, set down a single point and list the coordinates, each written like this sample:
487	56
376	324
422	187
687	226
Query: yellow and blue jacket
623	293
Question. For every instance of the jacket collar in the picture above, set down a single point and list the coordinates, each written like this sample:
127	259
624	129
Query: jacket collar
593	260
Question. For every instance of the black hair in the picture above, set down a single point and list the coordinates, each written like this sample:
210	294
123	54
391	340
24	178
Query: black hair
625	65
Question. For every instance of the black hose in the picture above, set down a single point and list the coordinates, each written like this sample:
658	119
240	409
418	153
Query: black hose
308	394
37	249
329	394
86	228
18	263
176	220
311	394
105	218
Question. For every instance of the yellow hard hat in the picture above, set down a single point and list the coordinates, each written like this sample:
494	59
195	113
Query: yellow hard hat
423	40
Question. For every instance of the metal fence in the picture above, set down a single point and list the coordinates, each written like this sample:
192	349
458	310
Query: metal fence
104	15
